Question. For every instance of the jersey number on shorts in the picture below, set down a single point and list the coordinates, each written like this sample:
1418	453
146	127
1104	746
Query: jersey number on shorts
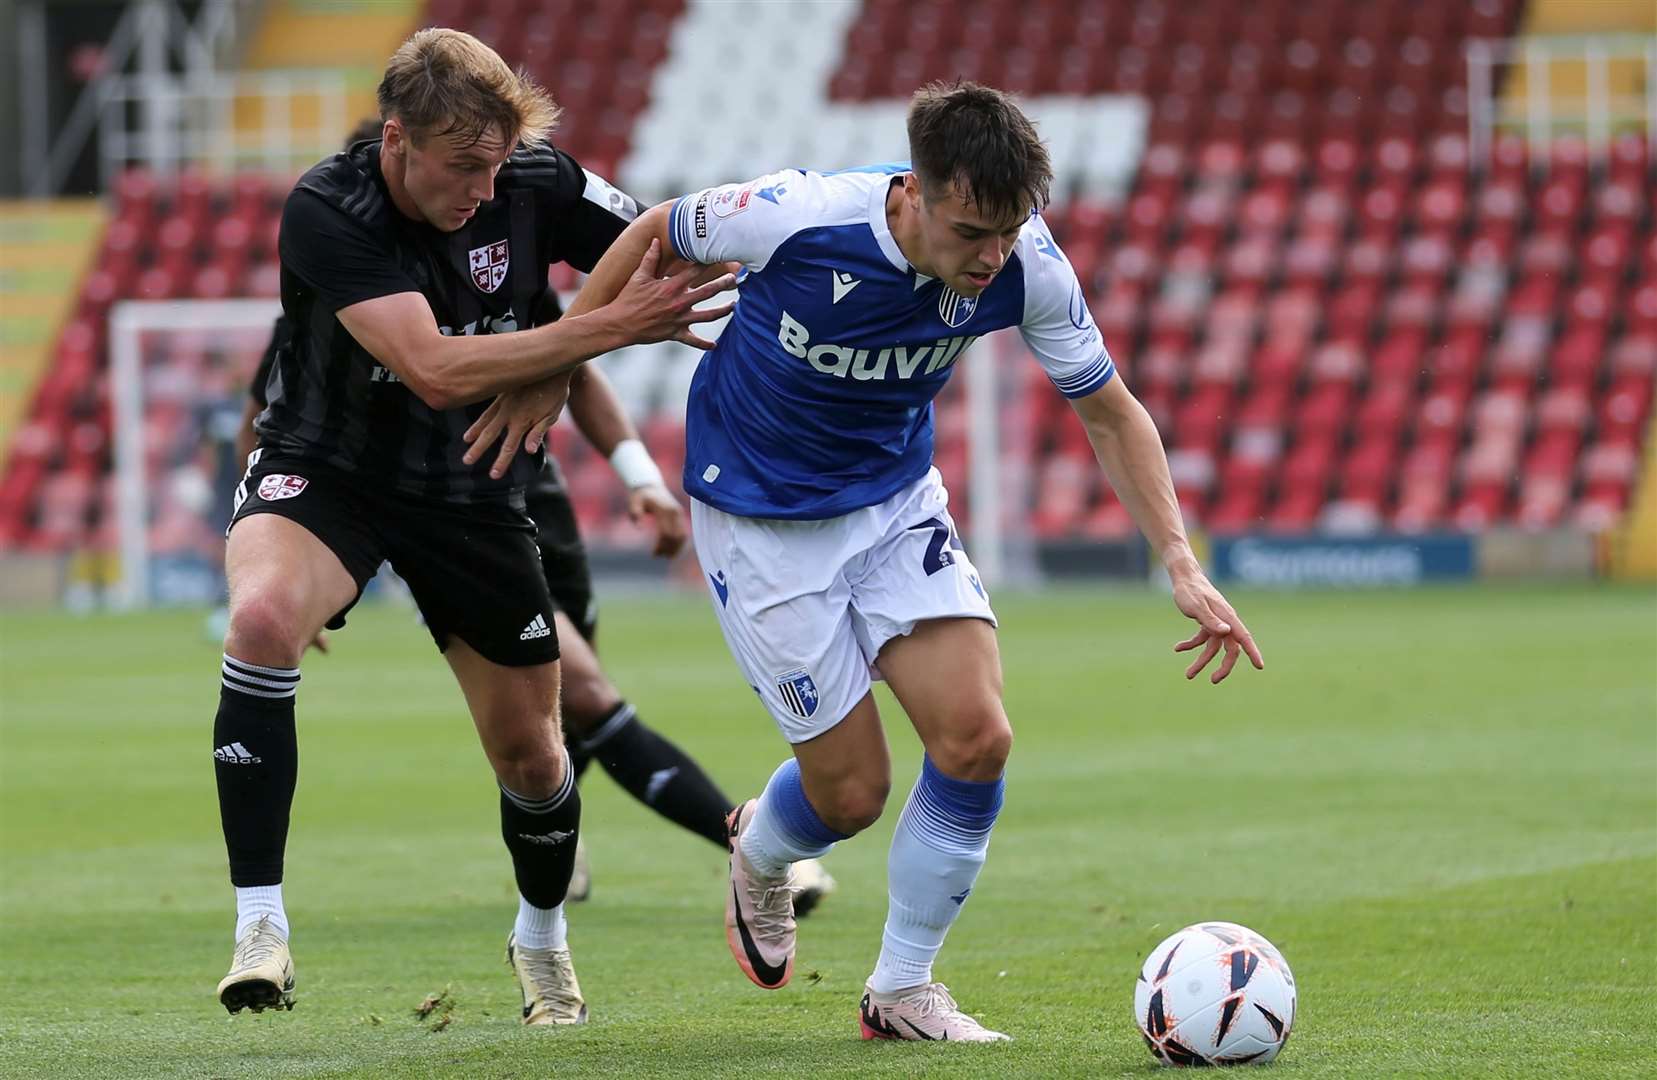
940	551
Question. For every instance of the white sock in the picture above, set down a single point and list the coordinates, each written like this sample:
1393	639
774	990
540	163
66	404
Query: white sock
254	903
785	828
540	928
937	851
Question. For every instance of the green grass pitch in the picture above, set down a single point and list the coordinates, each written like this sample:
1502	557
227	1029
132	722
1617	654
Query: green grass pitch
1441	805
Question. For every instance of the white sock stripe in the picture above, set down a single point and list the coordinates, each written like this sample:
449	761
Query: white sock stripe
242	688
551	802
243	667
290	685
620	720
925	819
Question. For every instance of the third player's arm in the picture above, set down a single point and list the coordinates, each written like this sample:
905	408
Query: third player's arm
604	423
598	412
1126	442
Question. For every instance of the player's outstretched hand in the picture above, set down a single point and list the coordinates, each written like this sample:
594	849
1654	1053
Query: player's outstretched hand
665	516
519	419
663	308
1218	627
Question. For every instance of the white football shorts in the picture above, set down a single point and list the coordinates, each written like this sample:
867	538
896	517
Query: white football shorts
807	605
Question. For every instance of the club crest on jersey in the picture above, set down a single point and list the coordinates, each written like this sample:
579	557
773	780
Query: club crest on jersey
955	309
281	486
489	265
798	692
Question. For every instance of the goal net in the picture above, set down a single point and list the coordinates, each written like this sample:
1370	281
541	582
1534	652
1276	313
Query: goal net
179	372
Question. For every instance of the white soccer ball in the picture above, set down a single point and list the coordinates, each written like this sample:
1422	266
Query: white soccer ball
1215	994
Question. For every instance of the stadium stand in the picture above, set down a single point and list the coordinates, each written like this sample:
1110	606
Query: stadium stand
1338	319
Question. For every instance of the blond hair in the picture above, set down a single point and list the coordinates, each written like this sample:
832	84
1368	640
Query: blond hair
445	82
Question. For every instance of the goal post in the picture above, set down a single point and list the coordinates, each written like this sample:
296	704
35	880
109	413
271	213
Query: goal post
147	339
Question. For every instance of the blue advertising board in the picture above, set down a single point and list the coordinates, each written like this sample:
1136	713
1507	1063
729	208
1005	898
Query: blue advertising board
1343	562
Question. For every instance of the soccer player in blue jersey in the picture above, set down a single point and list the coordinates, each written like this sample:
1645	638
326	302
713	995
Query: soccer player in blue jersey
825	531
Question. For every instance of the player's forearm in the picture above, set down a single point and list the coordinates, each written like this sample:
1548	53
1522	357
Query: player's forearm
447	371
610	276
462	370
1130	451
598	412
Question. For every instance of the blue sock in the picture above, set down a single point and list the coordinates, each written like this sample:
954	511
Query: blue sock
937	851
785	828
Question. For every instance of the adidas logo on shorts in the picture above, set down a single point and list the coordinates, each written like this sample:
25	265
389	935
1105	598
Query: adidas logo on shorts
537	628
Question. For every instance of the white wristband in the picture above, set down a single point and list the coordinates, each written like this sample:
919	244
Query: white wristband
633	464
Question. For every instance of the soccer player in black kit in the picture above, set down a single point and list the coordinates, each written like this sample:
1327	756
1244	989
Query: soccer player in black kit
599	724
408	266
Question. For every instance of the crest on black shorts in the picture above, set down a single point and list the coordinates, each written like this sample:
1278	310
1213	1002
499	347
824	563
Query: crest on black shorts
489	265
281	486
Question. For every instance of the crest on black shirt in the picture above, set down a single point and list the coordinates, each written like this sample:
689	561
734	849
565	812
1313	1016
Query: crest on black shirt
489	265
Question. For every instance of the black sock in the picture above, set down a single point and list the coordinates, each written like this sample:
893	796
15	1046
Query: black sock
256	762
579	757
659	774
541	834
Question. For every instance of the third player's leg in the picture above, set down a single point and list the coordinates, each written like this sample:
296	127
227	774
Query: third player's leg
602	726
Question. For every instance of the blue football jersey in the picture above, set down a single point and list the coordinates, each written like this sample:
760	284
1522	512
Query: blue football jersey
817	399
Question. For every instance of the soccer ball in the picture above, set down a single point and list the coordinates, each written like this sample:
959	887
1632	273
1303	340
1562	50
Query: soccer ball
1215	994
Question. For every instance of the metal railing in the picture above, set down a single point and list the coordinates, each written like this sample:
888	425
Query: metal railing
168	98
199	119
1598	112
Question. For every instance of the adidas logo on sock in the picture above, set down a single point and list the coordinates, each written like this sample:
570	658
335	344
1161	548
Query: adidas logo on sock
546	839
537	628
236	754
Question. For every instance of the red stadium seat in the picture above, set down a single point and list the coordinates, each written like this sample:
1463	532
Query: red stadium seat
1629	158
1610	465
1622	413
1634	356
1384	411
1202	418
1368	471
1337	162
1642	308
1323	414
1575	358
1564	409
1296	511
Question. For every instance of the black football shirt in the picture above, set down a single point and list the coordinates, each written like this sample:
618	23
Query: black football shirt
342	242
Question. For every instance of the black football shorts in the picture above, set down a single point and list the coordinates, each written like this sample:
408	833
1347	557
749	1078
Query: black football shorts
474	569
564	560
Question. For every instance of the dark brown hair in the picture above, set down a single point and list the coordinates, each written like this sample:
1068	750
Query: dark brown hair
444	82
978	138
